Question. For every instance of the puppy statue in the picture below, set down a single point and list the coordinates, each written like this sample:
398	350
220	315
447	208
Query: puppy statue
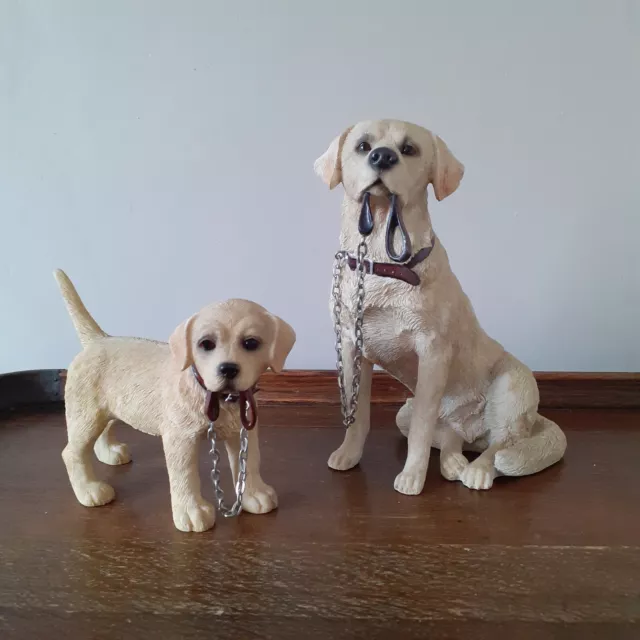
397	304
162	389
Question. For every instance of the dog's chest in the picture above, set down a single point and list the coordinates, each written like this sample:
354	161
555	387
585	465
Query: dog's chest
388	336
389	318
228	424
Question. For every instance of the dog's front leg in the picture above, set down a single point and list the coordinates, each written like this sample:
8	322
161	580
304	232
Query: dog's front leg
433	367
258	496
191	512
349	452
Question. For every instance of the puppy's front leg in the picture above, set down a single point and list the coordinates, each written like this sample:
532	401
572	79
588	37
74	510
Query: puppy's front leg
258	496
433	367
191	512
350	451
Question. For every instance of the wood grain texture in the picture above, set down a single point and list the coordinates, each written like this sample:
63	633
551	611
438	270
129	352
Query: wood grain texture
558	390
556	555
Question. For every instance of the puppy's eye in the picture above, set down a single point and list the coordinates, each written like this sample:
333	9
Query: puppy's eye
251	344
408	149
364	147
207	344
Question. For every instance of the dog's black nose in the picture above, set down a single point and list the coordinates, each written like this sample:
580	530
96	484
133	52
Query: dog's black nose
229	370
383	158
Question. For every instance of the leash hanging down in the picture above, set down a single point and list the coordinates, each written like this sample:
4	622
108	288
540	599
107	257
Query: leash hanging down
361	265
248	419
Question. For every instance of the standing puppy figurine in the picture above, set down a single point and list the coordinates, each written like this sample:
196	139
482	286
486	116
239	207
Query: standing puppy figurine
396	303
172	390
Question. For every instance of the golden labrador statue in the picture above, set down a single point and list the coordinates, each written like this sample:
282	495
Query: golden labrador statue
397	304
162	389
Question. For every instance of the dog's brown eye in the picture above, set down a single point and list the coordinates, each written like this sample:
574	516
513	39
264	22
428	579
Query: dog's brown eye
251	344
408	149
207	344
364	147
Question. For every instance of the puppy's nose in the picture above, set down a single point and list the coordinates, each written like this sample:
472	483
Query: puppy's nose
229	370
383	158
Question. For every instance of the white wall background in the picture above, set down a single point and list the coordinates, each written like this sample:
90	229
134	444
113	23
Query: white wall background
161	152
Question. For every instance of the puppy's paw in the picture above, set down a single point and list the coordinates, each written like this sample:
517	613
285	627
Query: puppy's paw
478	476
410	483
113	454
344	458
452	465
199	516
95	494
260	498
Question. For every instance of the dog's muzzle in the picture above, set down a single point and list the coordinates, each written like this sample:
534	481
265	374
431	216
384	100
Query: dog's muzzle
248	408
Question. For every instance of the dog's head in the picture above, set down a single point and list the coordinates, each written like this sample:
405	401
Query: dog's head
389	156
231	343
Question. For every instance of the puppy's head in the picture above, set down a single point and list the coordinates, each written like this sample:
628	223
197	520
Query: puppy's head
390	156
231	343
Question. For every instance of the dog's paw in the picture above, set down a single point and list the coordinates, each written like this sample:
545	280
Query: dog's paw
259	499
344	458
199	516
452	465
95	494
410	483
113	454
478	476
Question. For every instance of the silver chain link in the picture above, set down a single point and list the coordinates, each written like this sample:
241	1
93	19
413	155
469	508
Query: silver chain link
349	405
236	508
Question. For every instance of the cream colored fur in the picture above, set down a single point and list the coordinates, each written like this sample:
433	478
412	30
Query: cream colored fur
467	389
150	386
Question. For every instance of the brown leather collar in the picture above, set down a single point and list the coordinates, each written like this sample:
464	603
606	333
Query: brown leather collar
402	272
248	409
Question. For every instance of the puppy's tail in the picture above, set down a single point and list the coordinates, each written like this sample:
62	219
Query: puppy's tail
545	447
86	327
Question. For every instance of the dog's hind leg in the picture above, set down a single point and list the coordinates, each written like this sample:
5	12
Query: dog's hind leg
544	447
84	424
452	460
107	448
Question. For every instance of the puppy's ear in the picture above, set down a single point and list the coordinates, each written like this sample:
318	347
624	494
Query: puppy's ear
180	344
447	171
329	166
284	337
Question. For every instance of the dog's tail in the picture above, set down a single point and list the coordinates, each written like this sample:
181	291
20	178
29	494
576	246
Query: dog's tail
545	447
86	327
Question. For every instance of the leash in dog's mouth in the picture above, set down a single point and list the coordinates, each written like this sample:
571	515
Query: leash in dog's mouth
248	408
394	223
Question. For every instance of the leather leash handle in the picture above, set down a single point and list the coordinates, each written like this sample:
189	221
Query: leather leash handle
248	410
394	221
212	406
365	223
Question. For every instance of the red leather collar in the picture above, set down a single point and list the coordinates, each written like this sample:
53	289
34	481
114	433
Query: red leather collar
402	272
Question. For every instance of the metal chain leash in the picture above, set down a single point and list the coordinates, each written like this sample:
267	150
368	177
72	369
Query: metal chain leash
349	405
236	508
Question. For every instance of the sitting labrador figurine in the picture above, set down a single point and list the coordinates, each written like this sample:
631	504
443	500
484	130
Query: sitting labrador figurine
397	304
161	389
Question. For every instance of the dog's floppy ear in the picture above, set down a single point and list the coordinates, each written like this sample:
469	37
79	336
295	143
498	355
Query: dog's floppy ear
447	170
329	166
284	337
180	344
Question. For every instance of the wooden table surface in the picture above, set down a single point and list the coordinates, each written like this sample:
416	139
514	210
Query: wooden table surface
556	555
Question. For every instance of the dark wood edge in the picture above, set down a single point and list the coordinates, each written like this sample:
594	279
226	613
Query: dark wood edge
558	390
31	388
